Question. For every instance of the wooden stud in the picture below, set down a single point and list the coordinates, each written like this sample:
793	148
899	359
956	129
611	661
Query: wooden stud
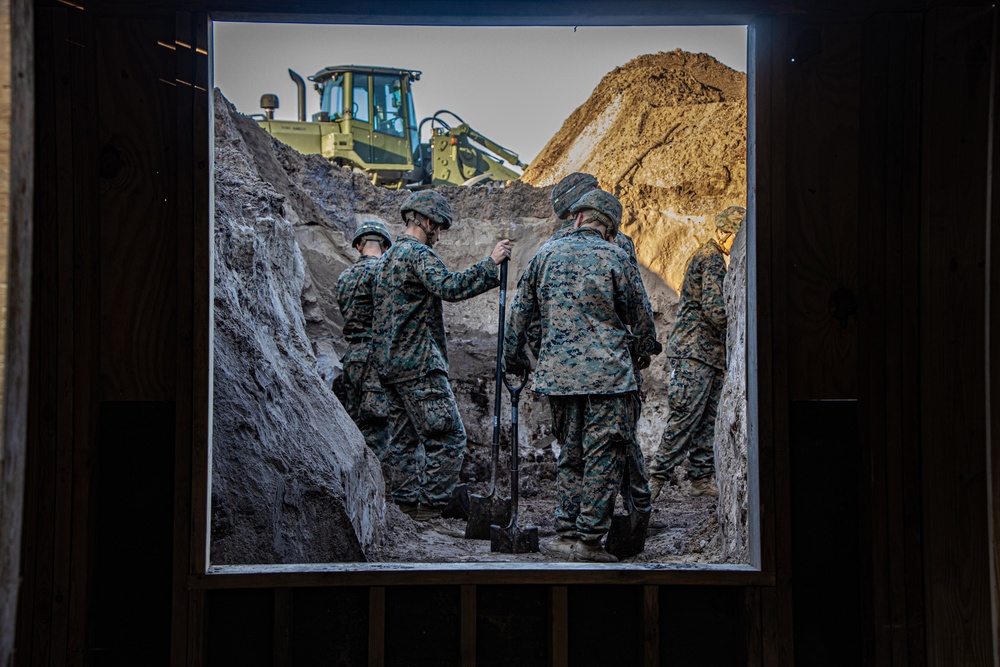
202	290
559	626
468	631
758	285
183	523
651	626
993	349
376	626
16	226
952	415
84	232
282	627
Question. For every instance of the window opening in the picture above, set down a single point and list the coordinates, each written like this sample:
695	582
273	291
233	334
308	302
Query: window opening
332	97
388	103
359	109
380	99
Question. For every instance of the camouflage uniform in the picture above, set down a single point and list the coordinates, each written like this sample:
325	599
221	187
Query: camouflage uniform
366	402
638	478
586	297
697	353
411	358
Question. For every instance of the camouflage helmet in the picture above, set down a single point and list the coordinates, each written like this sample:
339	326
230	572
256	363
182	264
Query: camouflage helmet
568	190
372	228
430	204
730	219
604	203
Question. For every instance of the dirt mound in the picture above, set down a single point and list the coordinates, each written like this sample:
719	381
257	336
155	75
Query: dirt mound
666	133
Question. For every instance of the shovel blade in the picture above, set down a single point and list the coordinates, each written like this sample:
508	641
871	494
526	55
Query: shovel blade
513	540
627	536
484	511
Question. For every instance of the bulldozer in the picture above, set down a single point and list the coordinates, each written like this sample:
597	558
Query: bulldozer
366	122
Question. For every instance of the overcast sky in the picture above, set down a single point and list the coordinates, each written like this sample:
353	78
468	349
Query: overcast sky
514	85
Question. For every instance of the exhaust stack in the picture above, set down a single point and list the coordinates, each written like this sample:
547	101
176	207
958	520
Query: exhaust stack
301	85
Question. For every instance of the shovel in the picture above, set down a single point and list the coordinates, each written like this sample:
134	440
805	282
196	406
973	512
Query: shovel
513	540
627	536
492	508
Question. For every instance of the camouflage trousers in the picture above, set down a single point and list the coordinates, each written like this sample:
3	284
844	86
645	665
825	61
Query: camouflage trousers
374	427
595	432
424	419
693	394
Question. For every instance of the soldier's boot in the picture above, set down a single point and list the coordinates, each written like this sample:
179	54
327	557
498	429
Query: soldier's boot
559	547
409	509
704	486
431	517
592	552
657	484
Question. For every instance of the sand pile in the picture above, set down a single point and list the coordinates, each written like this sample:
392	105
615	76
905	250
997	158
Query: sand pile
666	133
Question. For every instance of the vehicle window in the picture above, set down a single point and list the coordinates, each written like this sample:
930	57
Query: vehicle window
388	104
360	109
332	101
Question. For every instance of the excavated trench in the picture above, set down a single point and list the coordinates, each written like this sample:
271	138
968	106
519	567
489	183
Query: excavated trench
292	479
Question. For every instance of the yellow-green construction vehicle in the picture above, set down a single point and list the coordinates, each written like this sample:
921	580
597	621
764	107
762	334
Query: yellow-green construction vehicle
366	121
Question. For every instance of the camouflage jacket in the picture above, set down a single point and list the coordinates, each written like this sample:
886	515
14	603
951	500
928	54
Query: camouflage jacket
586	296
623	241
355	288
410	282
700	328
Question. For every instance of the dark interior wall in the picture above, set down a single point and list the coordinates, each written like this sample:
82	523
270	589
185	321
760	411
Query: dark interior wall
873	203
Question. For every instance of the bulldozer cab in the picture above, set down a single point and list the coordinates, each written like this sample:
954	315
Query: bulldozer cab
374	106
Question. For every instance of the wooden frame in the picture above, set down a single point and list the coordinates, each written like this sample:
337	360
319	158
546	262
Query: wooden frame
764	367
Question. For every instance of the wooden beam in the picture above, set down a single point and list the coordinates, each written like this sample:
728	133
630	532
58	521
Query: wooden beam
430	574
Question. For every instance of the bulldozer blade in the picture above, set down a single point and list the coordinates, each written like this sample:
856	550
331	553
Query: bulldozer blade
484	511
458	504
513	540
627	536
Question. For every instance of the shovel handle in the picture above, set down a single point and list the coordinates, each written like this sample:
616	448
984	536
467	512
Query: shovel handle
515	387
495	453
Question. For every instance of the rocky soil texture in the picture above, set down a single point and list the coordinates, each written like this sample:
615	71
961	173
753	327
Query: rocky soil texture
666	132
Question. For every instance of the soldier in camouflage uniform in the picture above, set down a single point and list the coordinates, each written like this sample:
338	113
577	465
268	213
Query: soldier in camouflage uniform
583	292
697	353
564	194
365	400
411	356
